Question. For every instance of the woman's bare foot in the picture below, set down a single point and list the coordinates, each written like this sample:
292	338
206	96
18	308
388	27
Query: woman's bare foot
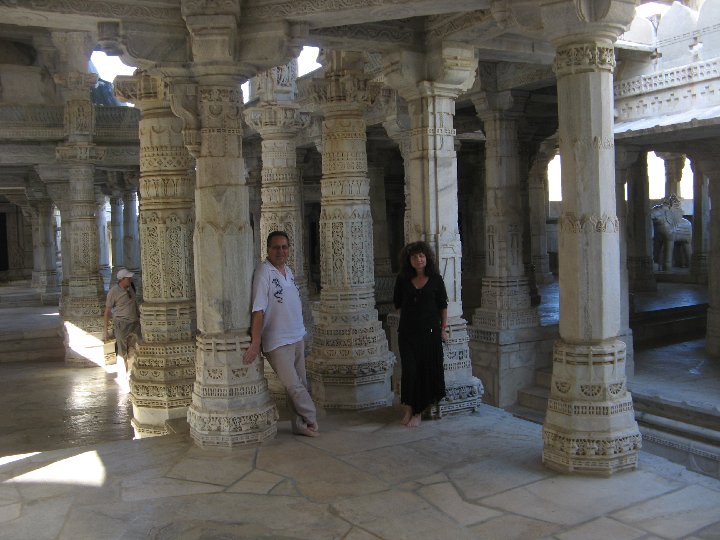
407	416
414	421
314	427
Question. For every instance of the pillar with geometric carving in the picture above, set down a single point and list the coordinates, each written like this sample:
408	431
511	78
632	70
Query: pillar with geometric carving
83	306
350	365
231	405
430	83
45	277
163	373
277	119
501	359
590	424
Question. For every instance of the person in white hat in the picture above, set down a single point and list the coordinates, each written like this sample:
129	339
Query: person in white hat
121	304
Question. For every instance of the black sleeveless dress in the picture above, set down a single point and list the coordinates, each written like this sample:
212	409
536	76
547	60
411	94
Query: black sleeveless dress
421	352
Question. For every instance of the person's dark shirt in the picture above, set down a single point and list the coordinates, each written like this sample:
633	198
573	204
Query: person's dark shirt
420	308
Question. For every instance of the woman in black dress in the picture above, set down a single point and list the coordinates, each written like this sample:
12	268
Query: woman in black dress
421	297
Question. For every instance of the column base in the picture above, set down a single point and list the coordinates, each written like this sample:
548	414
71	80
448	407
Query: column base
214	429
231	405
351	384
591	455
590	424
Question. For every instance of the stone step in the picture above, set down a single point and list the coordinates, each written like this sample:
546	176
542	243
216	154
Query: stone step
671	325
45	344
543	377
526	413
534	398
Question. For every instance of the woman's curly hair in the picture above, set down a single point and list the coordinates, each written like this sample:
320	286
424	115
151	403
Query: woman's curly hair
406	269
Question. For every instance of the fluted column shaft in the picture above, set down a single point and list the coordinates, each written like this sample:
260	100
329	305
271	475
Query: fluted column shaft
590	424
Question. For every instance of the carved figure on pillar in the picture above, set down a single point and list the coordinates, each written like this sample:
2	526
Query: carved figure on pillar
350	364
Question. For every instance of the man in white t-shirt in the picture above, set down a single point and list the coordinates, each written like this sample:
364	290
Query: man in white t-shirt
277	326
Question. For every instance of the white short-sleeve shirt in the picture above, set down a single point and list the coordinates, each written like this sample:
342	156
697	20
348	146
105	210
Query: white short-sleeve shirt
279	298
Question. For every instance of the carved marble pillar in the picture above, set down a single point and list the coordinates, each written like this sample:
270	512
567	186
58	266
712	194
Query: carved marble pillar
430	84
674	165
103	248
231	405
281	193
384	277
590	423
162	376
538	198
350	364
500	358
700	225
45	276
117	229
625	157
131	233
55	180
641	275
253	166
83	306
709	165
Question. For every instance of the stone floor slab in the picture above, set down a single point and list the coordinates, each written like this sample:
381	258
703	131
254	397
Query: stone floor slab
570	500
602	529
676	514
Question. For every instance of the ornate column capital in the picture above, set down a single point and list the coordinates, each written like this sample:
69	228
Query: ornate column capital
570	24
509	103
276	120
141	89
447	70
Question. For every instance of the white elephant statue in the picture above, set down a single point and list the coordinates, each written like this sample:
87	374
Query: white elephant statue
670	228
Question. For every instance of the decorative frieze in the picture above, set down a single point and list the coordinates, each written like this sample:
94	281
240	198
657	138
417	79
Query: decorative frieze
581	57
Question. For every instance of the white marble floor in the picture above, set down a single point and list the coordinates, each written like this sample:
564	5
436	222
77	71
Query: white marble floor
366	477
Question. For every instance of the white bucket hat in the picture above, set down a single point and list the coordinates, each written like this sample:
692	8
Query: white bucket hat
124	273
